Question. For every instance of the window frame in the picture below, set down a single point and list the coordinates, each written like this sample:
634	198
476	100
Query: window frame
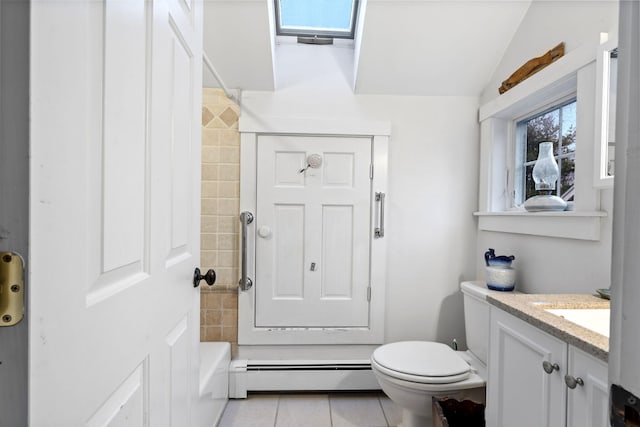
575	73
602	126
280	31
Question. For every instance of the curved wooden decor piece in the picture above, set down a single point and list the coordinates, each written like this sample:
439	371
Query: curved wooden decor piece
531	67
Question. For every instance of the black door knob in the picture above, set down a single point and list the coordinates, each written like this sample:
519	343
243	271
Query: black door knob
209	277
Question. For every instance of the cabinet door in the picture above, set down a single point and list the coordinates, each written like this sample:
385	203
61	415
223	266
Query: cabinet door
587	404
519	391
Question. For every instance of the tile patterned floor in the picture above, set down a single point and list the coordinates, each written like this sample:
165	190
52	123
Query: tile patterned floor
312	410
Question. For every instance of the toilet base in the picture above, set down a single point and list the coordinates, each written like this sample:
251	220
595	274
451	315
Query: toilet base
416	398
417	406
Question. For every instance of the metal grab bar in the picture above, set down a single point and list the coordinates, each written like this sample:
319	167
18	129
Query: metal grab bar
379	230
245	283
214	73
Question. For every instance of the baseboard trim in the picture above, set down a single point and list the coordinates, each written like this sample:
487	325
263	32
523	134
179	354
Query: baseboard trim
299	375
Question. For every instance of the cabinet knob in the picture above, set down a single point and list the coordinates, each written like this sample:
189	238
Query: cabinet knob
550	367
572	382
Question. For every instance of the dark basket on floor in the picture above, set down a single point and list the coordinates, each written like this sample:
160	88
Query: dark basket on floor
455	413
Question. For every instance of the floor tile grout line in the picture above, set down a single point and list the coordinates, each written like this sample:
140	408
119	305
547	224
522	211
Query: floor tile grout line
384	414
330	412
275	419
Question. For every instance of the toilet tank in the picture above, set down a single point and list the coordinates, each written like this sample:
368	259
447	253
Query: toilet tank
476	318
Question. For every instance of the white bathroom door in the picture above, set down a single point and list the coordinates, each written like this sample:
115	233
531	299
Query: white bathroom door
313	217
114	212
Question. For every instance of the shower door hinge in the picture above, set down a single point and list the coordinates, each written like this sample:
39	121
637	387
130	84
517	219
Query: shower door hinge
369	293
371	171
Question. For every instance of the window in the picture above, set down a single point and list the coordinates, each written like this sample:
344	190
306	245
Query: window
326	18
563	95
557	125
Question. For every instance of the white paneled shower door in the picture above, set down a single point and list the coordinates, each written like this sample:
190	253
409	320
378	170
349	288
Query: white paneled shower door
313	221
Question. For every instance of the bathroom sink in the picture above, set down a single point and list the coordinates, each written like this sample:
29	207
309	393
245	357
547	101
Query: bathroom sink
595	319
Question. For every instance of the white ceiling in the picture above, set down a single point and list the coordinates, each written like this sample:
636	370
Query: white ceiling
407	47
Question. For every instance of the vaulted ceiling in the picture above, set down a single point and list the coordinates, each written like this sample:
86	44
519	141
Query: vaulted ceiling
403	47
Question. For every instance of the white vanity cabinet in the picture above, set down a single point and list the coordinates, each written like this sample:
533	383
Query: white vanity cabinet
587	404
526	385
519	391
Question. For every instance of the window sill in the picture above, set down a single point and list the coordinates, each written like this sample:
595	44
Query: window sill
563	225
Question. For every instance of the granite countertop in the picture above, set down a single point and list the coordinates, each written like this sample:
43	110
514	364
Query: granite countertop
531	309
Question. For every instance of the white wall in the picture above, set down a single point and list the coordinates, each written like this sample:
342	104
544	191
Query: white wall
432	186
545	264
548	23
550	265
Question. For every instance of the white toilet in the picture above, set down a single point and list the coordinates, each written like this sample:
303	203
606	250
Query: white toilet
412	372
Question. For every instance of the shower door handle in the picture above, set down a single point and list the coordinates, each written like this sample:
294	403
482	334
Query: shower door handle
379	230
245	283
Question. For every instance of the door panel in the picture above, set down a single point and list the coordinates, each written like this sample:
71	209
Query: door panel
312	249
338	170
287	168
337	251
181	140
288	252
126	406
178	342
123	150
118	156
114	212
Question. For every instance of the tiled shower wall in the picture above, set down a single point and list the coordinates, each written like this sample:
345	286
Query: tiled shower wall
220	210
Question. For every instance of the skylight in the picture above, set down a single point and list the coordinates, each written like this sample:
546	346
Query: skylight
322	18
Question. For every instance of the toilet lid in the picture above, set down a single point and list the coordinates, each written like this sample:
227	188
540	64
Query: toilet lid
422	359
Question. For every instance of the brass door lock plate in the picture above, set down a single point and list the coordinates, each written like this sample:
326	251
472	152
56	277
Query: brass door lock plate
11	288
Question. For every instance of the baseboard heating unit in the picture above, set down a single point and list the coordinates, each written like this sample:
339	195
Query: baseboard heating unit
299	375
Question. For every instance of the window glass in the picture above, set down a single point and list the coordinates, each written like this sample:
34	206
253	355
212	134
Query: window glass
333	18
557	125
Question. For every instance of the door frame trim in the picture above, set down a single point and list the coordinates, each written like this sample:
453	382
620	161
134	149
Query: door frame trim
250	130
